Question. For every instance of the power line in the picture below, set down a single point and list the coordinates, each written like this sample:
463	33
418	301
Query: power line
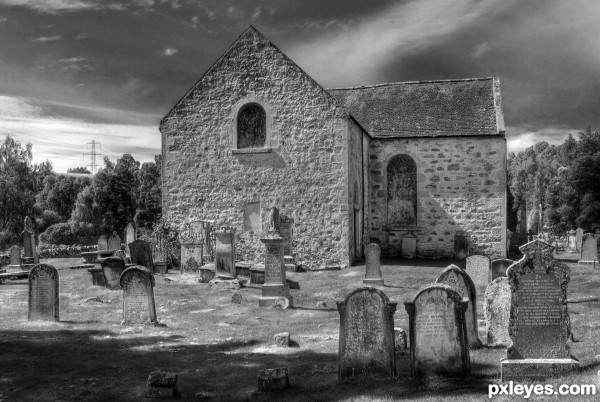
93	165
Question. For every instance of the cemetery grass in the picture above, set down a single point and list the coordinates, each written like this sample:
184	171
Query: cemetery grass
218	347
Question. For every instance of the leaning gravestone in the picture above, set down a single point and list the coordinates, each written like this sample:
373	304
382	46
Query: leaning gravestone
496	307
367	341
102	243
499	267
15	258
141	254
137	283
480	271
112	268
437	332
589	249
43	293
373	265
539	325
460	281
114	242
225	253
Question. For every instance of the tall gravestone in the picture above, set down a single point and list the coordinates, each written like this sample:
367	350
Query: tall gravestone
589	249
539	325
192	247
438	332
15	258
30	256
499	267
225	253
478	267
112	268
141	254
138	283
460	281
114	242
496	307
129	236
579	238
366	341
43	293
102	243
572	241
275	287
373	265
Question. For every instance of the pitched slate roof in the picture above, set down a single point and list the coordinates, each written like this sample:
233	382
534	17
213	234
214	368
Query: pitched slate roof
426	108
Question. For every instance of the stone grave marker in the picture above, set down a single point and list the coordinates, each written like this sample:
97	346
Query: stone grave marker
539	324
373	265
137	283
461	246
478	267
275	286
30	256
496	307
499	267
438	332
572	241
225	253
114	242
579	238
141	253
460	281
102	243
409	246
129	236
273	379
15	258
43	293
589	249
367	339
236	298
112	268
192	247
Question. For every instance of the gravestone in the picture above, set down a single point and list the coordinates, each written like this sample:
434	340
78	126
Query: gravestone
15	258
499	267
236	298
273	379
438	332
589	249
572	241
523	225
225	253
285	230
129	236
373	265
478	267
367	340
460	281
137	283
114	242
539	325
159	254
461	246
102	243
43	293
275	286
112	268
409	246
496	307
579	238
141	253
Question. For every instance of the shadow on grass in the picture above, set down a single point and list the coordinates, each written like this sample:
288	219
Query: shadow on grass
314	308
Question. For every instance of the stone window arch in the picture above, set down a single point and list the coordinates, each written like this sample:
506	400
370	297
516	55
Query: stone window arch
401	191
251	127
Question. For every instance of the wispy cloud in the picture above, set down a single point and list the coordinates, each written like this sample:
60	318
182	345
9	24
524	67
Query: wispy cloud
519	138
58	6
47	38
170	51
480	50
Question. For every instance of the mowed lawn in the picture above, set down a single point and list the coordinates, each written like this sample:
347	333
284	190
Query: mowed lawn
218	347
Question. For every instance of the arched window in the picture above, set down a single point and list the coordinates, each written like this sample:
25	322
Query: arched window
251	126
402	191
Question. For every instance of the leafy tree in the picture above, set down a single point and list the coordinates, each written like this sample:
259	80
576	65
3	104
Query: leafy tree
79	169
148	196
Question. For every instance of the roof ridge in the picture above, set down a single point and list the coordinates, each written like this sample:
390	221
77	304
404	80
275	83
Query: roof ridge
412	82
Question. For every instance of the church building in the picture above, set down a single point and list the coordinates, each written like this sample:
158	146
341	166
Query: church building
416	167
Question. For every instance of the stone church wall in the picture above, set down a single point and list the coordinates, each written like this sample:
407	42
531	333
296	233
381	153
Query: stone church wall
461	187
355	190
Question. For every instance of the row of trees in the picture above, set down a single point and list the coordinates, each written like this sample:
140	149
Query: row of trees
563	179
66	209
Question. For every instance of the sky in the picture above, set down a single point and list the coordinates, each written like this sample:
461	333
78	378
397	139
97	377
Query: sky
73	71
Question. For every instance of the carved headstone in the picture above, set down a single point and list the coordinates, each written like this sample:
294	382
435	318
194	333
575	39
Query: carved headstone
141	254
437	332
478	267
15	258
496	307
461	246
275	286
112	268
539	325
114	242
225	253
137	283
373	265
367	339
43	293
589	249
499	267
191	257
102	243
579	238
460	281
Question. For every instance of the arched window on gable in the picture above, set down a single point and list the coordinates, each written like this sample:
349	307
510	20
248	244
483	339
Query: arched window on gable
251	126
402	191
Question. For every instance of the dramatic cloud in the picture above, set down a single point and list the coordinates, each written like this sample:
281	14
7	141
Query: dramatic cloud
56	6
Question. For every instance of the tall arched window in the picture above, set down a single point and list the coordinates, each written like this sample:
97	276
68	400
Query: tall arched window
251	126
402	191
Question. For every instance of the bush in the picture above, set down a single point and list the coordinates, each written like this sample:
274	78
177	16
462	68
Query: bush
63	233
4	260
63	251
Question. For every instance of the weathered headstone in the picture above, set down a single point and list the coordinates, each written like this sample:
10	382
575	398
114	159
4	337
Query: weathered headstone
273	379
496	307
461	246
102	243
15	258
579	238
285	229
373	265
460	281
225	253
409	246
572	241
236	298
112	268
589	249
478	267
191	256
137	283
97	276
30	256
499	267
367	340
539	325
437	332
43	293
275	285
141	254
114	242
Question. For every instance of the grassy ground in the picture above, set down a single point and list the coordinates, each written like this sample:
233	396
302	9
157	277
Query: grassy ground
218	347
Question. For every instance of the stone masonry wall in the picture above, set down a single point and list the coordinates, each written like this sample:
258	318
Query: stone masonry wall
461	186
304	175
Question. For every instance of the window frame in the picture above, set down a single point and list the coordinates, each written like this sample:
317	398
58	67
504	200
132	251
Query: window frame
237	108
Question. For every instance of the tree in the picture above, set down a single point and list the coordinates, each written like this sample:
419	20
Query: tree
79	170
57	198
148	197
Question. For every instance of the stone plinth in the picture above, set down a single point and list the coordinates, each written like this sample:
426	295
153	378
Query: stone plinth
535	369
207	272
90	257
225	253
275	285
257	274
